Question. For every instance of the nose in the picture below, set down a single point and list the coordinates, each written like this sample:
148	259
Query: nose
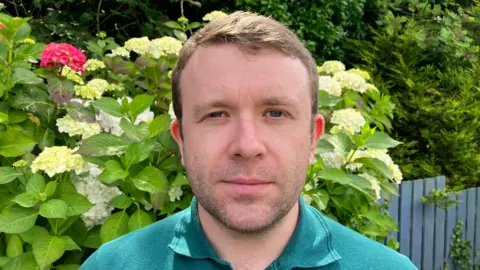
247	142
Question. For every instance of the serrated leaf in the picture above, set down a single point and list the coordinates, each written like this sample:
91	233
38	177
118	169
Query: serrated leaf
324	146
103	145
77	204
32	234
26	199
158	125
14	143
25	76
23	32
180	180
47	249
113	171
50	188
61	90
139	104
25	261
108	105
174	25
381	140
392	188
115	226
120	66
377	165
151	179
137	133
53	208
138	152
36	184
93	238
8	174
16	116
321	199
70	244
327	100
121	201
80	113
34	98
138	220
16	219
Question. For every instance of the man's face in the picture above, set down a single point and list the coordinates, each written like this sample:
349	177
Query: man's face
247	134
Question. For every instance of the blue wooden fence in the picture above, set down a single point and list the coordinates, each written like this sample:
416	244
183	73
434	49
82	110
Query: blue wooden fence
425	230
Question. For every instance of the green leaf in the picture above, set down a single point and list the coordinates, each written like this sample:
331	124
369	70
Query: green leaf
327	100
381	219
108	105
4	261
26	261
16	116
136	133
14	246
93	238
174	25
344	143
321	199
180	180
16	219
343	178
50	188
377	165
47	249
194	24
70	244
77	204
113	171
121	201
138	152
120	66
80	113
158	125
32	234
26	199
180	35
151	179
115	226
25	76
381	140
138	220
103	145
54	208
67	267
8	174
23	32
36	184
390	187
61	90
324	146
64	186
14	143
34	98
140	103
3	118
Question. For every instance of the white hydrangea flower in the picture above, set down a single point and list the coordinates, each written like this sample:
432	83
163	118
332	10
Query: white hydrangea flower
98	194
354	166
364	74
214	15
108	123
348	119
146	116
374	183
332	67
164	46
94	64
138	45
333	159
351	81
371	87
382	155
330	85
120	51
175	193
171	112
68	125
58	159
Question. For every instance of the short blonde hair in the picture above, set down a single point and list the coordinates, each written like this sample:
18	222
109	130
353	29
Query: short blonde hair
251	32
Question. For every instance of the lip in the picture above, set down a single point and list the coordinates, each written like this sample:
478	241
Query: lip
242	186
247	181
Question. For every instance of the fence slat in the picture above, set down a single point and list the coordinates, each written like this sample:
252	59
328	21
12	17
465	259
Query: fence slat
471	205
451	220
462	208
405	217
393	211
417	223
477	221
428	227
439	244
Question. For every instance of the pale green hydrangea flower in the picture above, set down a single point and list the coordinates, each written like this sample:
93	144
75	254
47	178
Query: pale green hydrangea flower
20	163
68	125
351	81
94	64
72	75
360	72
93	90
138	45
330	85
28	41
214	15
164	46
58	159
332	67
120	51
382	155
348	119
371	87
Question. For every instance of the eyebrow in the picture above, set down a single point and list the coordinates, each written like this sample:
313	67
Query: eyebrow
222	103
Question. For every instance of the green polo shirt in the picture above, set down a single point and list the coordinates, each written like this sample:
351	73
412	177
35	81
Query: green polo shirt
178	242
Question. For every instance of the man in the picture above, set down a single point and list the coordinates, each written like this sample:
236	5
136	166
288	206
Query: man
245	97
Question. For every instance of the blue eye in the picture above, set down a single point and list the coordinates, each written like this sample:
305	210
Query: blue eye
215	114
276	113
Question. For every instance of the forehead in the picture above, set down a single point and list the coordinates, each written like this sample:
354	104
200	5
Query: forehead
226	71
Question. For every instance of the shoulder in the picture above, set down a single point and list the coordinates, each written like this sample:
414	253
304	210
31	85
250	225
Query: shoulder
137	246
360	252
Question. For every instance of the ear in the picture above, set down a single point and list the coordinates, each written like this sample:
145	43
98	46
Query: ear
175	131
317	132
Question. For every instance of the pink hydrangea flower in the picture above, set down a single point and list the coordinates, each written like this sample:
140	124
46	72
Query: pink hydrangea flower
63	54
1	26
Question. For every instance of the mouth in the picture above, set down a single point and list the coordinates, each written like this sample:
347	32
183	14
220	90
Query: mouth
247	186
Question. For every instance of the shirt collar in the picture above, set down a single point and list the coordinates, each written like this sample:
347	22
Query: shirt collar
309	246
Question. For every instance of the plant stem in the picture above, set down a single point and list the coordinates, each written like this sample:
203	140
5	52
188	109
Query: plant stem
10	60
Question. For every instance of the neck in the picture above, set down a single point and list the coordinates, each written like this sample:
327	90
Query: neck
245	251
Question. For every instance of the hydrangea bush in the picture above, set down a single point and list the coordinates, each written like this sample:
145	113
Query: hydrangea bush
87	155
